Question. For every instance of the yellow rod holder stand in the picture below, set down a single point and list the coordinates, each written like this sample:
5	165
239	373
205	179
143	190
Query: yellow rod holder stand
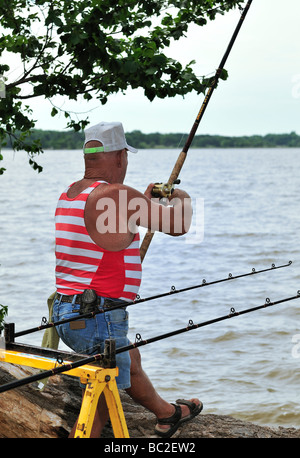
98	380
102	381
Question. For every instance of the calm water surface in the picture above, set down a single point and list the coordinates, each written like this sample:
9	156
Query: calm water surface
247	366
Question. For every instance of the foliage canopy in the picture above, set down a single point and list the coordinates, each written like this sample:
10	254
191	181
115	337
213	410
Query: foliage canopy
93	49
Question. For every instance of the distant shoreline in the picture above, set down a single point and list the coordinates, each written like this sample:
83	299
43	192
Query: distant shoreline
51	139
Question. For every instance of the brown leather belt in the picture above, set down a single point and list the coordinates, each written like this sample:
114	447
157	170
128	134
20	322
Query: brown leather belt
64	298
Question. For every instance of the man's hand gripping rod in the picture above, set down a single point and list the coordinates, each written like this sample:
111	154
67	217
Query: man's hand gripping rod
182	156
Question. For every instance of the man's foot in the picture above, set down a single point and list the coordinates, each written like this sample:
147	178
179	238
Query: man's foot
183	411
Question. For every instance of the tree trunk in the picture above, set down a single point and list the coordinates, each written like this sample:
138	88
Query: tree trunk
27	412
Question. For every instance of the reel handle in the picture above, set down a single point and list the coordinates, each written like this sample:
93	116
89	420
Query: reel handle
164	189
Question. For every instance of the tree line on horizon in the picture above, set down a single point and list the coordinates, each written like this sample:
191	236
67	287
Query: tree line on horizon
74	140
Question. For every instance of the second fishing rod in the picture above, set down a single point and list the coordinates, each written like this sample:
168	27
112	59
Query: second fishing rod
173	290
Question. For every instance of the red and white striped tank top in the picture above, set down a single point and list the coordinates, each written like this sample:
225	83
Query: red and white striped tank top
81	264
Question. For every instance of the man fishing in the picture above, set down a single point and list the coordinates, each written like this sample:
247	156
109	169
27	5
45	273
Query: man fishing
98	262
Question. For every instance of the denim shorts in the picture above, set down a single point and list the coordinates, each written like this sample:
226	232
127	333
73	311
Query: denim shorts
90	340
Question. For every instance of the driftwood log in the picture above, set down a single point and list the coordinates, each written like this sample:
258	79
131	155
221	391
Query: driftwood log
27	412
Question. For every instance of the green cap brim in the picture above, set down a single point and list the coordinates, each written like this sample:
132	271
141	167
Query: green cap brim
98	149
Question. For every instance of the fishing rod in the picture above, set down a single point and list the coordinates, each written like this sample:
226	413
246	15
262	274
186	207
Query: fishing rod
139	342
182	156
119	304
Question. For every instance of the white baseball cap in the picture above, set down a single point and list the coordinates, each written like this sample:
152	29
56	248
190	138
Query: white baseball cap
110	134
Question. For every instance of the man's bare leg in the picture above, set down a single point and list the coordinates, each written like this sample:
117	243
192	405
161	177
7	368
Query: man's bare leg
143	392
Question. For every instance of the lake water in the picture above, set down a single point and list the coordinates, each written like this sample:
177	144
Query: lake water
247	366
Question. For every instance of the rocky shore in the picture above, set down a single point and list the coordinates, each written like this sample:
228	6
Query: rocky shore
27	412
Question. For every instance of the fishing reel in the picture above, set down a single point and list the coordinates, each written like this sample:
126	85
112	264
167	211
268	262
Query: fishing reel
163	189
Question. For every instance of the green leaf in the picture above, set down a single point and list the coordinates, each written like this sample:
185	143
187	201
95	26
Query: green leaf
54	111
224	74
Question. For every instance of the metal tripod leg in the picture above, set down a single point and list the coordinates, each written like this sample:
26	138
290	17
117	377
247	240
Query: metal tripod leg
103	380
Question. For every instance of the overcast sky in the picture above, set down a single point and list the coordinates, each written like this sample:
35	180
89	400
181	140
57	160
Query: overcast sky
262	94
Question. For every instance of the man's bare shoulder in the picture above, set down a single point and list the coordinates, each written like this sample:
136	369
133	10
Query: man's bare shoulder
114	191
